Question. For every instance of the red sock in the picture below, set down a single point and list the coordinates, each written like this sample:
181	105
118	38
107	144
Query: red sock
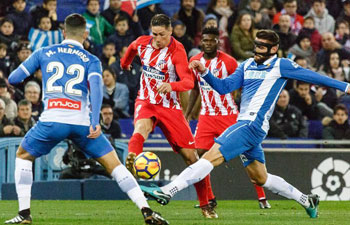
260	191
209	188
202	193
136	143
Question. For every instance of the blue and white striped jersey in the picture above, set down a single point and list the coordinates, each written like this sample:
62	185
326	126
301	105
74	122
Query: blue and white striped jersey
66	69
261	85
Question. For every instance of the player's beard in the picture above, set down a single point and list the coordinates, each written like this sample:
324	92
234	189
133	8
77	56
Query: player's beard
261	58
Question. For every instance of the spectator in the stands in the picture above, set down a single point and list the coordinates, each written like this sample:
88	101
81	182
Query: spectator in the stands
260	16
342	33
287	120
287	37
107	58
323	21
109	125
32	93
243	36
24	121
11	106
226	15
48	8
21	19
304	100
338	128
146	14
302	48
326	99
114	10
124	35
192	18
210	20
179	33
6	34
6	125
329	44
309	28
333	68
115	94
44	35
99	28
345	13
290	8
4	60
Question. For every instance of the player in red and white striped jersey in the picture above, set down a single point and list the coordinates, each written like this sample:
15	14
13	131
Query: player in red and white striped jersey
165	73
218	112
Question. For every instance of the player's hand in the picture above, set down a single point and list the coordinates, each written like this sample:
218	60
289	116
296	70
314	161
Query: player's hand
164	88
94	133
8	129
128	67
197	65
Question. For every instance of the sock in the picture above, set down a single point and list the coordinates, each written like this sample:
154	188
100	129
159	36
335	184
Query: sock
211	195
279	186
260	191
128	184
192	174
202	192
136	143
24	181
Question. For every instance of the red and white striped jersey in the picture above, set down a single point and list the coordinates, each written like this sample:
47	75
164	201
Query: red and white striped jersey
213	103
168	64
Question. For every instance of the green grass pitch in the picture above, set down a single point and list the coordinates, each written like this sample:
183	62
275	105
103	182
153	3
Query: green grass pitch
178	212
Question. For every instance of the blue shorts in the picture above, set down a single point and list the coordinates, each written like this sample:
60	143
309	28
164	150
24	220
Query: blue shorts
242	139
41	138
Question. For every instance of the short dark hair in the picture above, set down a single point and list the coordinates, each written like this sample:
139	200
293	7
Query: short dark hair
3	46
119	19
47	1
211	30
268	35
299	58
288	1
108	43
24	102
299	82
106	106
340	107
88	2
161	20
75	24
320	1
4	20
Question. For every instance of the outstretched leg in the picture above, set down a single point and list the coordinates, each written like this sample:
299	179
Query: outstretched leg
258	175
128	184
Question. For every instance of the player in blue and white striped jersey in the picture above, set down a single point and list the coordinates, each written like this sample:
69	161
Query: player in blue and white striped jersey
72	95
262	79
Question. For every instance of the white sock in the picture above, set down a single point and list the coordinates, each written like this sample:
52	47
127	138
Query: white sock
24	181
279	186
192	174
128	184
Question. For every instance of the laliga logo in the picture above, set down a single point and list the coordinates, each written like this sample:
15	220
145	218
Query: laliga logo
331	180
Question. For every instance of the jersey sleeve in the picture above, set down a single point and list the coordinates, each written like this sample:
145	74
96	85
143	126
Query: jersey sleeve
181	66
290	69
96	92
28	67
228	84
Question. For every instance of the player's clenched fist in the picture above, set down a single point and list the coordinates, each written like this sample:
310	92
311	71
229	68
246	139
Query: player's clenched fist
164	88
197	65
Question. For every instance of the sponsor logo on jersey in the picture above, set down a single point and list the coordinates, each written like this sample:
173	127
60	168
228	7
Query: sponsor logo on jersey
63	103
153	73
252	74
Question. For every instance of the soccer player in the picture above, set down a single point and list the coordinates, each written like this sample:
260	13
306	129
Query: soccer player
218	112
262	79
165	73
72	83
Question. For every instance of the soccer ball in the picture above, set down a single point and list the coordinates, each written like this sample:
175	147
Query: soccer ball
147	165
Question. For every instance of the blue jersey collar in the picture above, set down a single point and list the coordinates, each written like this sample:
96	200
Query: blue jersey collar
73	42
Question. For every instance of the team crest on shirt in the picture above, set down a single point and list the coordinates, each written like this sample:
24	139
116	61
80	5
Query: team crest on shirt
162	63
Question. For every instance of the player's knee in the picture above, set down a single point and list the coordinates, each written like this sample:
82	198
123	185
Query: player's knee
143	128
258	180
23	154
